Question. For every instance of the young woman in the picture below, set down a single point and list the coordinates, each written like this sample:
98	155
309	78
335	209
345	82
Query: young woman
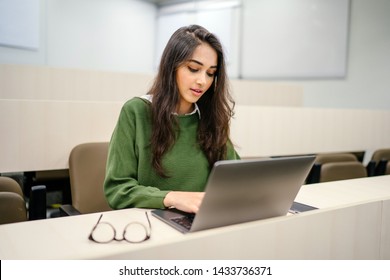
166	142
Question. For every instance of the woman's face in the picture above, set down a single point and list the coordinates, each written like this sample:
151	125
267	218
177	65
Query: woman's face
195	76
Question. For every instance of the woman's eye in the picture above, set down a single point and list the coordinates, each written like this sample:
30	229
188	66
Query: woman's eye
193	70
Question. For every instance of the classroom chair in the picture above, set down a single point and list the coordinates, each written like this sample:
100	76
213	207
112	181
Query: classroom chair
379	163
13	206
335	166
87	165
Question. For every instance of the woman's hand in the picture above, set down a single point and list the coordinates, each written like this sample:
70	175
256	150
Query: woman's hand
184	201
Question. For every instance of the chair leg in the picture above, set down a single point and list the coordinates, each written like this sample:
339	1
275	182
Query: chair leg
37	203
381	167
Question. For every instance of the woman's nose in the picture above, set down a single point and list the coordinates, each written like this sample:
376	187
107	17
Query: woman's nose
201	79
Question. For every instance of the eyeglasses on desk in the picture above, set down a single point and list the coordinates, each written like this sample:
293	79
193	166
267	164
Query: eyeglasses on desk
134	232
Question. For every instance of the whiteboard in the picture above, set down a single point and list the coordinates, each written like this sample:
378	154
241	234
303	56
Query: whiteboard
294	38
19	23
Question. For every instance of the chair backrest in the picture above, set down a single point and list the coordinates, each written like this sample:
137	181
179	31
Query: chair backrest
12	203
87	165
336	166
381	154
381	160
334	157
333	171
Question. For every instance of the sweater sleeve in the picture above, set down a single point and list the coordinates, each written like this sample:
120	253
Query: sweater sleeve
121	185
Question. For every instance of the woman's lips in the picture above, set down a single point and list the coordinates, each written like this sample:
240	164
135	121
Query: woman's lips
197	92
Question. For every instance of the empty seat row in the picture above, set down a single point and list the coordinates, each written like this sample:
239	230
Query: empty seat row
13	206
342	166
87	168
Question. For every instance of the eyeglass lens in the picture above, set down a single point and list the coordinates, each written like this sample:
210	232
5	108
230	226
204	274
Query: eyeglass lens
134	232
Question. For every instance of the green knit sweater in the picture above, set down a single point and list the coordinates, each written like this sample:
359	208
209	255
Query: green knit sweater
131	181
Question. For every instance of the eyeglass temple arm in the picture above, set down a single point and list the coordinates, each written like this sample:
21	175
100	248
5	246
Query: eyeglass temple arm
150	225
90	235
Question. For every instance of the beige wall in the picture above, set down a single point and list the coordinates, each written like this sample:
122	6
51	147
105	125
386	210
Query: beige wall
45	112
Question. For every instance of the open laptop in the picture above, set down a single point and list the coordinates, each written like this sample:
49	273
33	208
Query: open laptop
239	191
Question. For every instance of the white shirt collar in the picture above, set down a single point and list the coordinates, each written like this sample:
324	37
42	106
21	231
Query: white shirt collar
149	97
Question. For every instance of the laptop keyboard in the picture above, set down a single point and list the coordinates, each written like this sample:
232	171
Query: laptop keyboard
300	207
185	221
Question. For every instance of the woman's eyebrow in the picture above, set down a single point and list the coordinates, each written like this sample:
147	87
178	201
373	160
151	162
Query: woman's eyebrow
200	63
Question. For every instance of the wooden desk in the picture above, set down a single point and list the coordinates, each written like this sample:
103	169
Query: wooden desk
353	223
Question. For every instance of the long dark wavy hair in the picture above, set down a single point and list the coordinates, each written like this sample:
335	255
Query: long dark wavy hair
216	105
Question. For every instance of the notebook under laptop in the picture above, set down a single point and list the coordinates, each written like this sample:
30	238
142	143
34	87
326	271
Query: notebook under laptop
240	191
